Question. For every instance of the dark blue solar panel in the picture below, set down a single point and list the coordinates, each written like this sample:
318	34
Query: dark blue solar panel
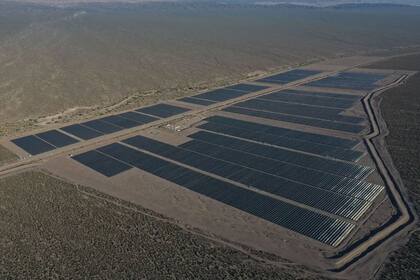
137	117
341	126
325	94
281	131
163	110
121	122
196	101
314	162
57	138
284	96
314	225
330	114
349	80
33	145
101	126
256	172
290	76
281	141
101	163
247	87
81	131
220	95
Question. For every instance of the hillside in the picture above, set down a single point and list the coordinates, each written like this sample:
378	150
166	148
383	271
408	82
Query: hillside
53	59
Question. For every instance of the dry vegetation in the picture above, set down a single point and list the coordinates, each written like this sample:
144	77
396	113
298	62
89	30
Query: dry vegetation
401	111
55	230
6	156
53	59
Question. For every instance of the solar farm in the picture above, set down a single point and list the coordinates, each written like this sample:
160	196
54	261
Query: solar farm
279	163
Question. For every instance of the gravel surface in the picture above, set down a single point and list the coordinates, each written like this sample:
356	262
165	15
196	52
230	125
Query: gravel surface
6	155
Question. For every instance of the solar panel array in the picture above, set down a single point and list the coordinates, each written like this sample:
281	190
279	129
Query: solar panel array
324	164
316	225
223	94
284	141
350	80
290	76
312	182
324	110
50	140
44	142
305	182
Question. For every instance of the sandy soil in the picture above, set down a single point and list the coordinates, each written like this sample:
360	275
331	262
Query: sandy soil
6	156
51	229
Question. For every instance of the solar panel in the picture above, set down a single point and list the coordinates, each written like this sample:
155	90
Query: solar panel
163	110
101	163
57	138
349	80
333	125
101	126
33	145
308	100
317	226
226	163
220	95
282	141
281	131
289	171
323	113
119	121
81	132
290	76
137	117
196	101
247	87
327	165
325	94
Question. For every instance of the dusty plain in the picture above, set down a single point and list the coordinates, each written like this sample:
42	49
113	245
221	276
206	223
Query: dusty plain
85	60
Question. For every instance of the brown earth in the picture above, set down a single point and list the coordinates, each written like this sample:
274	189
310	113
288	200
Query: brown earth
52	229
6	156
58	59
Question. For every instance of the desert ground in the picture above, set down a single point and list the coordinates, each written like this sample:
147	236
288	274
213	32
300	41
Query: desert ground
85	60
53	229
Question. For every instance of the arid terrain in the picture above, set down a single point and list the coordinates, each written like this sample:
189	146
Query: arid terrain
51	229
72	61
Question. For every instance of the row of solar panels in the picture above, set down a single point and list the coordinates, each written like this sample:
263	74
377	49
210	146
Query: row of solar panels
231	92
267	175
222	94
350	80
289	76
284	141
305	172
344	80
328	185
318	109
52	139
115	158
